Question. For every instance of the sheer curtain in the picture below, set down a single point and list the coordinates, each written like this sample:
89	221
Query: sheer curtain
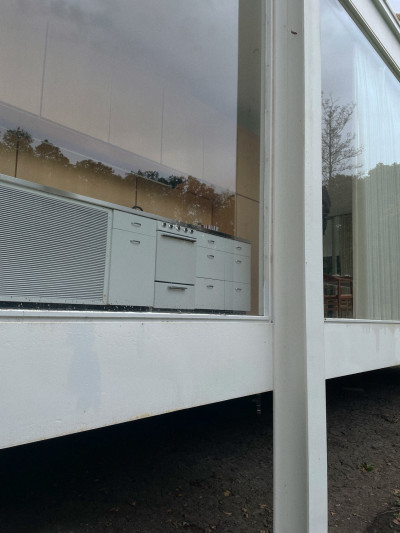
376	190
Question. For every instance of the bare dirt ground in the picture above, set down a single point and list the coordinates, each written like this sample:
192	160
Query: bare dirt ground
207	469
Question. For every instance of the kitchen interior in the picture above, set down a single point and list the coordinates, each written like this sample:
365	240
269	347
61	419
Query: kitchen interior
137	139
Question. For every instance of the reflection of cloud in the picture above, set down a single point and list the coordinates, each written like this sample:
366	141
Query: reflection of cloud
336	42
178	38
110	70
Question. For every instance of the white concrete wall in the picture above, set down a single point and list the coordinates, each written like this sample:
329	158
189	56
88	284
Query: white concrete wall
62	374
359	346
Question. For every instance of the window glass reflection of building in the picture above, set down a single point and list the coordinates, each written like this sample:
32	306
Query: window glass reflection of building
153	104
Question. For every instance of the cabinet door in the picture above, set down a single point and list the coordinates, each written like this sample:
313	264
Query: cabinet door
210	263
173	296
241	268
209	294
237	296
241	248
207	240
237	268
176	258
136	223
132	269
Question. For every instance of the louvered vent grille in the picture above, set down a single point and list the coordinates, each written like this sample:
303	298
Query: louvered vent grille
50	248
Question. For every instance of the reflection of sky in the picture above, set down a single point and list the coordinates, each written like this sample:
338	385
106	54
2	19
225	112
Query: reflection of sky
157	79
395	5
336	42
178	39
353	72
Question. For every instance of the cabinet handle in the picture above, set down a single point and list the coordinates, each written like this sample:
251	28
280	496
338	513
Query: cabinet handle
238	247
136	224
210	286
238	289
176	288
134	242
210	256
211	241
238	261
179	237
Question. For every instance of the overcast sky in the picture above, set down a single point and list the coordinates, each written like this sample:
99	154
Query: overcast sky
155	78
395	5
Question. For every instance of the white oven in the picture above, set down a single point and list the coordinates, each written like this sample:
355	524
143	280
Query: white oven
175	273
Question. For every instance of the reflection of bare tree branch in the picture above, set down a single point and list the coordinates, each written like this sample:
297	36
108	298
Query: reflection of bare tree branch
338	150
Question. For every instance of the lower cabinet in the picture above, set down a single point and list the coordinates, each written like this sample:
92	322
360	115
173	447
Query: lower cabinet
209	294
237	296
173	296
100	255
222	274
132	269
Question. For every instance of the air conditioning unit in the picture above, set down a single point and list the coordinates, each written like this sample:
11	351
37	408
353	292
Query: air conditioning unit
52	249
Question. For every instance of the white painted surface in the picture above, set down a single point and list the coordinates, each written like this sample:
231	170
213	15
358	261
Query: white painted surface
62	375
300	469
352	347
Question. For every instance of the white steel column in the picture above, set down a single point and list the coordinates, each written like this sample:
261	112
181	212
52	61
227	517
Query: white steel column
300	476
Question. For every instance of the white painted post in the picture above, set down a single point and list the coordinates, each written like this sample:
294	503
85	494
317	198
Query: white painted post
300	471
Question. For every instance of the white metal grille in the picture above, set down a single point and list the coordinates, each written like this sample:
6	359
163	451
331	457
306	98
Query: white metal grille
50	248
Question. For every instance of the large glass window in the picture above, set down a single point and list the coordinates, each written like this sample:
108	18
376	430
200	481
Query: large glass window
150	109
360	174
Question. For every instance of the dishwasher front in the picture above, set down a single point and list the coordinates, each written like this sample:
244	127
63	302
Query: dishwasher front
175	272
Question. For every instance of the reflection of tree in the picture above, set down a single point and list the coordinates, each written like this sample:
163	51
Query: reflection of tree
338	150
382	187
184	198
17	140
340	189
95	167
47	151
171	181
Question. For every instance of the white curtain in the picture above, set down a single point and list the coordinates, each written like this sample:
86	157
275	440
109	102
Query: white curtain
376	192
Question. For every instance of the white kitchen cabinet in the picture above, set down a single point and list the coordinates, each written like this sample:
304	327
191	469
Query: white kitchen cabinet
237	296
222	273
238	277
173	296
132	265
237	268
176	258
64	250
209	294
210	263
215	242
136	223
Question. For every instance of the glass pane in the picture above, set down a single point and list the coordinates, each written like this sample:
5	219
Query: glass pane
147	112
361	173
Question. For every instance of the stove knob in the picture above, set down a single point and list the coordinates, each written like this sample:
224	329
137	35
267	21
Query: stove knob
185	230
178	227
170	226
191	231
164	224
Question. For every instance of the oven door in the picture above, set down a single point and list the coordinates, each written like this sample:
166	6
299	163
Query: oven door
176	258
